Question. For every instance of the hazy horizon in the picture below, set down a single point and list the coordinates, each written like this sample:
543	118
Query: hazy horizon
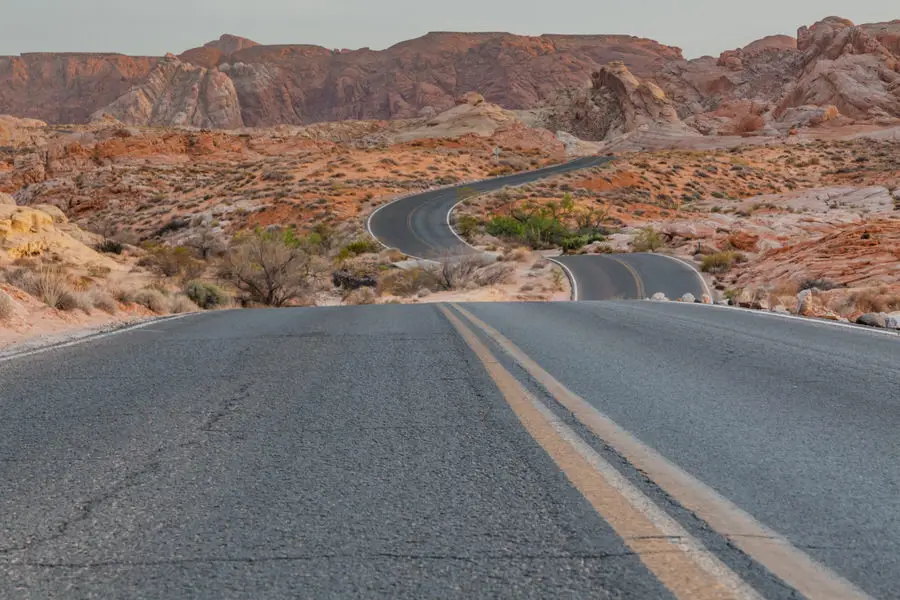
699	27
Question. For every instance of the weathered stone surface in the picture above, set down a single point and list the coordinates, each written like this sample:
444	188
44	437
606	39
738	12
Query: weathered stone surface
617	103
873	320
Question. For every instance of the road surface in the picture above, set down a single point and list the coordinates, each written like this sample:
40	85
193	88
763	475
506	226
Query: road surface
419	226
406	452
631	277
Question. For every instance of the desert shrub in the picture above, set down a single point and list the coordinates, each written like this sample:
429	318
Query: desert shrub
574	242
457	272
647	240
821	284
206	295
357	247
104	301
109	246
49	284
407	282
173	261
467	227
360	296
277	176
749	124
182	304
875	301
7	308
720	262
496	274
153	299
271	267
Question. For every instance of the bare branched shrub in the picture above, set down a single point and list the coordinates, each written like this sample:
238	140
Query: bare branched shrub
407	282
271	268
455	272
496	274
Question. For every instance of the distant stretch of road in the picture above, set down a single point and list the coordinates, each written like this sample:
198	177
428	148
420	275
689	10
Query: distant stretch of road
419	226
631	277
645	451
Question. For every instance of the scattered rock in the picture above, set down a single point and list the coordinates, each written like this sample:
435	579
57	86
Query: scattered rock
6	199
659	297
892	321
706	299
873	320
689	298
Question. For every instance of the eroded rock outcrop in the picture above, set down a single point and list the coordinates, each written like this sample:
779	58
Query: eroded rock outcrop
179	94
855	69
616	104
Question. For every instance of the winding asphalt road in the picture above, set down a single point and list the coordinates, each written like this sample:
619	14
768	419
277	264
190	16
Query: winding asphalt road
419	226
409	452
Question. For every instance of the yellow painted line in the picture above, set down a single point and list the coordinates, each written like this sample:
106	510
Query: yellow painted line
680	562
766	546
641	292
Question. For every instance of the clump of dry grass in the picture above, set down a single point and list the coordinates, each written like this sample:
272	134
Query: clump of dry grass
182	304
877	300
7	307
153	299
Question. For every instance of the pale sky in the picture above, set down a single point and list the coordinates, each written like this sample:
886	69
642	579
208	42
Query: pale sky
154	27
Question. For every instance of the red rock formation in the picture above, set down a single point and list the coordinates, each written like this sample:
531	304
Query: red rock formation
67	88
617	103
850	68
234	82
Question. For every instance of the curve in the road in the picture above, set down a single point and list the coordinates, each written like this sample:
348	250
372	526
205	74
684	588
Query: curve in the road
631	277
419	226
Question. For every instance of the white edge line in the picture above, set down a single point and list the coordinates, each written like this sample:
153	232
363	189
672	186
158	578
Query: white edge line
692	268
91	337
664	523
450	225
809	320
571	276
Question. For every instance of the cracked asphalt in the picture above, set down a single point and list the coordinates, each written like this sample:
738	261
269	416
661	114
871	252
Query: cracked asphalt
364	452
339	453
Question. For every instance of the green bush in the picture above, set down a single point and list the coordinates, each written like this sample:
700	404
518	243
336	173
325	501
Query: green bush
206	295
647	240
720	262
358	247
108	246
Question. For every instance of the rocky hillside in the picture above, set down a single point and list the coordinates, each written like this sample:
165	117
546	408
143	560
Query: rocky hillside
832	71
234	81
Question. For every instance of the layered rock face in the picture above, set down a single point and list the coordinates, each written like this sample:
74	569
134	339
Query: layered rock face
179	94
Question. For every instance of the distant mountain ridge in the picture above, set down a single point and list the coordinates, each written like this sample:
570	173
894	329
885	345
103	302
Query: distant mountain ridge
234	82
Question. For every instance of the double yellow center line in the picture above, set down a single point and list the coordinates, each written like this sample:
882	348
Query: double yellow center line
680	562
